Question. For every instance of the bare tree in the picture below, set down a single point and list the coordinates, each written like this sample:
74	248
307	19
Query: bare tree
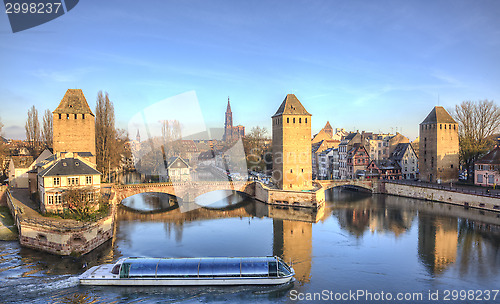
478	122
255	147
47	130
105	132
32	128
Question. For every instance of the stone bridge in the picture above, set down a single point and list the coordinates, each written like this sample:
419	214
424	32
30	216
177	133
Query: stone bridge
375	186
186	191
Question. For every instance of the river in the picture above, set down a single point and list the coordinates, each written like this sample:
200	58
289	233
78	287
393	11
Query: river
370	246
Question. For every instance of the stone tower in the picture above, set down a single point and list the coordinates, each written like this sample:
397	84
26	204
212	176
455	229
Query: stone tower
292	167
228	124
438	147
74	126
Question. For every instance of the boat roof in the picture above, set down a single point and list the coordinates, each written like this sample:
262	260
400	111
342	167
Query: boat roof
214	259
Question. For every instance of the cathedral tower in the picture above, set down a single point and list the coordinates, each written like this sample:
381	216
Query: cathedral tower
74	126
228	124
292	167
438	147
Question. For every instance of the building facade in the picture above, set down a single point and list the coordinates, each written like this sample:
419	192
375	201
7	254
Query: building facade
291	145
63	172
487	169
407	160
74	126
438	147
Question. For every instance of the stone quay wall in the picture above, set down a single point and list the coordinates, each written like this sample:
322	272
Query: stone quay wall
444	196
59	236
309	199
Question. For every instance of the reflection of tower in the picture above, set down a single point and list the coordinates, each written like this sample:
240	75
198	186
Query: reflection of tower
292	241
292	164
138	136
437	242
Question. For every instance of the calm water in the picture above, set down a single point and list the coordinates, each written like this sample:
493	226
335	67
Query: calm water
357	243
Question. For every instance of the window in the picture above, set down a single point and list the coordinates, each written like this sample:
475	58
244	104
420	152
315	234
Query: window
440	126
445	127
57	198
83	116
76	116
491	179
73	181
306	120
59	116
288	120
67	116
479	178
300	120
294	120
57	181
452	166
89	180
50	199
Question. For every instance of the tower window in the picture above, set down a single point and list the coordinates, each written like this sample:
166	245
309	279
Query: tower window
445	127
294	120
306	119
59	116
291	170
300	120
287	120
449	127
83	116
440	126
67	116
452	166
76	116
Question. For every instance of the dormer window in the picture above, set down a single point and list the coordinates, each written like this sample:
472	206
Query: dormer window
77	164
65	164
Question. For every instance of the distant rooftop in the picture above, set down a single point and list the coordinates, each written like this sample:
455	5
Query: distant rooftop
69	166
438	115
291	106
73	102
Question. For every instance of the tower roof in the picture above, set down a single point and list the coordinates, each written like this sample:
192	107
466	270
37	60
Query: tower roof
228	109
328	126
438	115
291	106
73	102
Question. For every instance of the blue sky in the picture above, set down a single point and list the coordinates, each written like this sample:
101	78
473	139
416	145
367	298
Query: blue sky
362	65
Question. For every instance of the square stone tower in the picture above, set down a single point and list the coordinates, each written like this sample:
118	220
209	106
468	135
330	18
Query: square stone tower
74	126
292	167
438	147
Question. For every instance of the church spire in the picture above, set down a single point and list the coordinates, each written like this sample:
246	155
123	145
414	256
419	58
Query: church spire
228	110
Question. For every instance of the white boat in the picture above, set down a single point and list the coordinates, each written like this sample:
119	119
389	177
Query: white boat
190	271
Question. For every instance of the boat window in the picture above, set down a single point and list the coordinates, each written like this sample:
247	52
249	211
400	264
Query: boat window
143	268
116	269
273	269
283	269
124	270
233	268
178	268
207	268
254	268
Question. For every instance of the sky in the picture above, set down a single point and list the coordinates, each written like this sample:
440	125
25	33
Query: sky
362	65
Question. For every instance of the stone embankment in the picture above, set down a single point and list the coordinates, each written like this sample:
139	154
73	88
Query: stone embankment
55	235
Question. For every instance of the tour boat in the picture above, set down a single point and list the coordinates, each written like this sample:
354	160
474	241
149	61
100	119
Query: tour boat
190	271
